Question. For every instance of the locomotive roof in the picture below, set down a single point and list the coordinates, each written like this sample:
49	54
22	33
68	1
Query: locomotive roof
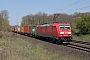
53	24
62	23
46	25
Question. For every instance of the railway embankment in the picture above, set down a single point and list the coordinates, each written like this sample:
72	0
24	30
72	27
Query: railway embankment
18	47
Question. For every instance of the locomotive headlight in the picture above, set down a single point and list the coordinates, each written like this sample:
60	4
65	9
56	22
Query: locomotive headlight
69	32
61	32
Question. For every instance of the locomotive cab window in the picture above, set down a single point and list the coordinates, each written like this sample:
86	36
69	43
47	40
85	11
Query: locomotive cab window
67	27
62	27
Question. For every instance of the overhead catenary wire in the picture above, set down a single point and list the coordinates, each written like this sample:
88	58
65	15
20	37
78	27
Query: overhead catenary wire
68	5
78	8
73	9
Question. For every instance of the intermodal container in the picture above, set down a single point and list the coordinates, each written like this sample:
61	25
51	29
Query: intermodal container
27	29
18	29
15	29
22	30
33	30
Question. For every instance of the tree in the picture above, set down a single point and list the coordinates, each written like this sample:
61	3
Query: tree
5	25
83	24
1	19
31	19
1	26
4	14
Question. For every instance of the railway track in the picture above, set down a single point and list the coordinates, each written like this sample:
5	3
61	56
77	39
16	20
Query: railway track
85	46
81	42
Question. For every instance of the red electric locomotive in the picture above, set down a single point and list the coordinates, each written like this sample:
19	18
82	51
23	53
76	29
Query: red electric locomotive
60	32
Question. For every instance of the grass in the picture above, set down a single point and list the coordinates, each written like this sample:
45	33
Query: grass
85	38
18	49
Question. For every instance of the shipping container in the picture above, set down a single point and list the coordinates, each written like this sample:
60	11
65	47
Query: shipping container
15	29
18	29
22	30
33	30
27	29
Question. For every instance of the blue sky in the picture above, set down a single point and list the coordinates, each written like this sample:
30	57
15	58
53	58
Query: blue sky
19	8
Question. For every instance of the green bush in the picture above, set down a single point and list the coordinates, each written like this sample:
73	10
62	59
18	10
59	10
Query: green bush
73	31
83	24
0	34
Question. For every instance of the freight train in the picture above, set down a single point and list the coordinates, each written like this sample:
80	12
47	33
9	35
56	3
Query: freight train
60	32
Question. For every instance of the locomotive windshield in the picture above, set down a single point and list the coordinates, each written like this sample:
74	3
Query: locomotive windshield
67	27
64	27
